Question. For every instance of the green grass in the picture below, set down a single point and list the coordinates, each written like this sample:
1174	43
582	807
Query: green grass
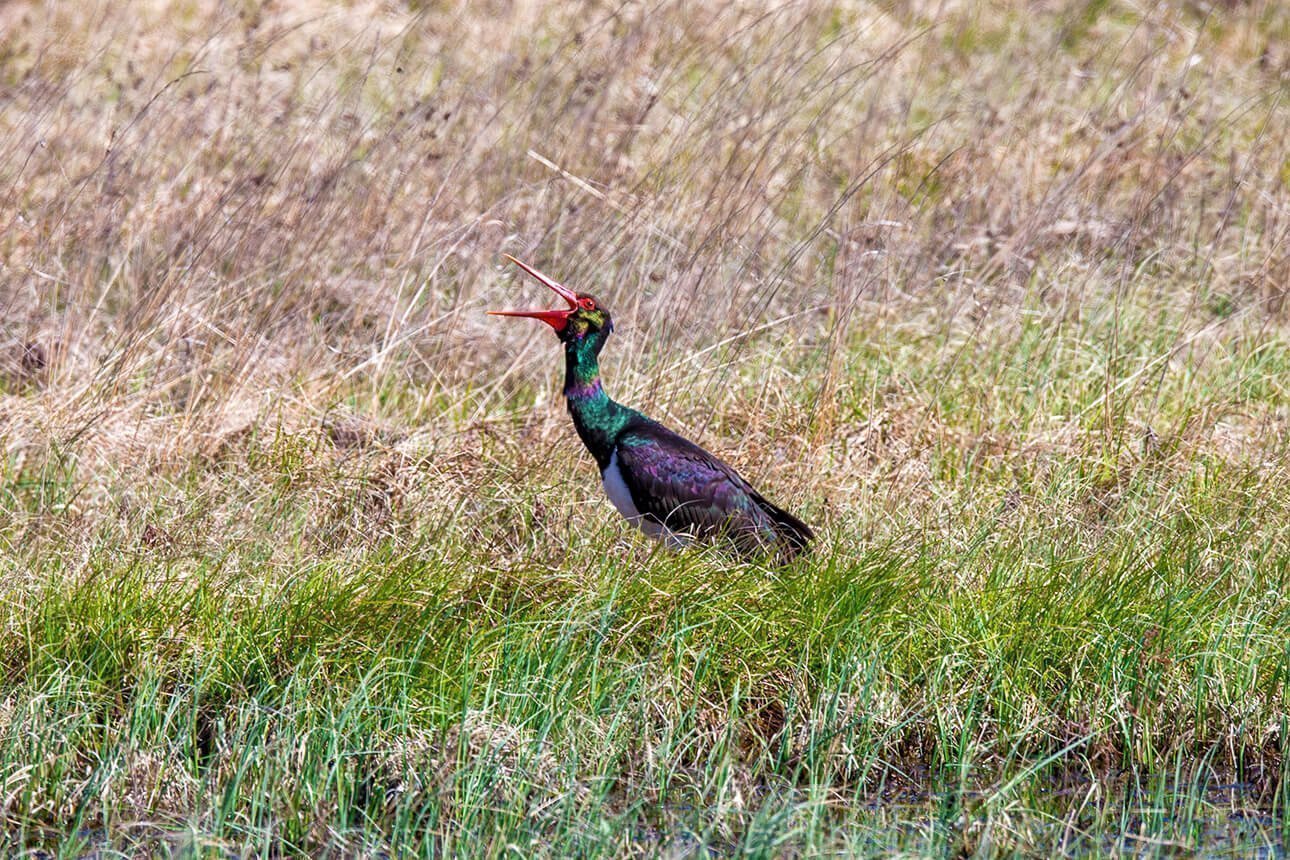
299	555
1035	654
373	701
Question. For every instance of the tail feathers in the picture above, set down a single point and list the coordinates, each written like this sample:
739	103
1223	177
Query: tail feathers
794	535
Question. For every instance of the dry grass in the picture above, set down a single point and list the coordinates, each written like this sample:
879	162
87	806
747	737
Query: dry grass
996	293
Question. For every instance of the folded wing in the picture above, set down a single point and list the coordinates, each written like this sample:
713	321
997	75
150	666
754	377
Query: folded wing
682	487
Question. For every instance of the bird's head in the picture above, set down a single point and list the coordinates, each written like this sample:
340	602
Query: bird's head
582	319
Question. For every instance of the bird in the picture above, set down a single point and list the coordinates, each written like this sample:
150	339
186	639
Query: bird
661	482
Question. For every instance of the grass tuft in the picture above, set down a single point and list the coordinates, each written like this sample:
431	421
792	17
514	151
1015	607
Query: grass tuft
298	554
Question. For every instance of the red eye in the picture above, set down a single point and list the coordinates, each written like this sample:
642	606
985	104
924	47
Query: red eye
587	304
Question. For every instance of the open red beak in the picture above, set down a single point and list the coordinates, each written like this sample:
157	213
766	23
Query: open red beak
557	319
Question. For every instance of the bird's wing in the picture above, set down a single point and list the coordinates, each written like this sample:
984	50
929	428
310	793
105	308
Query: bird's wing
678	484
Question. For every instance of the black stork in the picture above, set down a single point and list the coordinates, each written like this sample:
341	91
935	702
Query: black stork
662	483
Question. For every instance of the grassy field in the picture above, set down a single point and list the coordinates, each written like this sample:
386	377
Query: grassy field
299	553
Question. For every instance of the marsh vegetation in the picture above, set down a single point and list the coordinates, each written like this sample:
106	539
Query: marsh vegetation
299	554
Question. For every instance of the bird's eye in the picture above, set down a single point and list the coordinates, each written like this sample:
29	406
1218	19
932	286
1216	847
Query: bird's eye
587	304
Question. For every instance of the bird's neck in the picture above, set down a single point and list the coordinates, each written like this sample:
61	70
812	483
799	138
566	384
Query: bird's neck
596	416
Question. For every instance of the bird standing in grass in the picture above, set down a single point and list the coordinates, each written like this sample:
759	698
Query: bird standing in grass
662	483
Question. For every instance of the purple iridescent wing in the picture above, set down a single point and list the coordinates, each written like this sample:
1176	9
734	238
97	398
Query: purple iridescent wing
681	486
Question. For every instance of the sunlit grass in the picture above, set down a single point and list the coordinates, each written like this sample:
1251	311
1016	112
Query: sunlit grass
299	554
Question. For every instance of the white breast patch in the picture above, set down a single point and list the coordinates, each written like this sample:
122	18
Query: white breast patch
616	489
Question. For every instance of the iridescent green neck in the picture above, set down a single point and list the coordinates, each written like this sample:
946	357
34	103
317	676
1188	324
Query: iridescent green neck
582	368
597	418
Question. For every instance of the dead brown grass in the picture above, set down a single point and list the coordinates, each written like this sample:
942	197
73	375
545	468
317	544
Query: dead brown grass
224	222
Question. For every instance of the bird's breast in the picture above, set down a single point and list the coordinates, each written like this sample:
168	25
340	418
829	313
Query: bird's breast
616	489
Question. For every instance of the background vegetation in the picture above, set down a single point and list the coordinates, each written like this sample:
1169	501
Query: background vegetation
299	553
